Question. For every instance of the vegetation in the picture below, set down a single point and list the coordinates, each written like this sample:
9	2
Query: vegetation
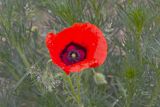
130	76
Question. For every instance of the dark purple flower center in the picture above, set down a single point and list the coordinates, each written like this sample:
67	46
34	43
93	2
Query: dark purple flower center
72	54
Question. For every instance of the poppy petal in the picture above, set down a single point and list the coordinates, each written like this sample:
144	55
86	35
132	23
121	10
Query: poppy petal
85	37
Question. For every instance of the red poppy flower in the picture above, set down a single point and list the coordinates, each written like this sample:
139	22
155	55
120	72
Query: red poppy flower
80	46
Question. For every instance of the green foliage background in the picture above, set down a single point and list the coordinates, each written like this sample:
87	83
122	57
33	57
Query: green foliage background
130	76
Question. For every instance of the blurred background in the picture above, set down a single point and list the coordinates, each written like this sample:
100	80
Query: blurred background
130	76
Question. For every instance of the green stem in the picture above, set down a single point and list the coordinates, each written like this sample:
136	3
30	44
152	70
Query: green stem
138	46
93	70
22	55
74	93
79	87
26	63
156	89
130	90
21	80
154	95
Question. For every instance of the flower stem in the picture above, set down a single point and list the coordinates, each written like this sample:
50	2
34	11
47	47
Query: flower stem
93	70
75	94
79	87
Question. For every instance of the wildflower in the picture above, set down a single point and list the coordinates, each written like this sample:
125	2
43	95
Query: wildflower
78	47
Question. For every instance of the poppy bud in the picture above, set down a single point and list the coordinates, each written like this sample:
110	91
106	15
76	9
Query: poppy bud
99	78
